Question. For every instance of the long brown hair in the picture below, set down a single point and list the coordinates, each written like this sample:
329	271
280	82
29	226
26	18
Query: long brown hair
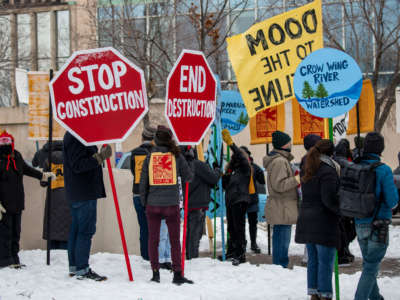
313	160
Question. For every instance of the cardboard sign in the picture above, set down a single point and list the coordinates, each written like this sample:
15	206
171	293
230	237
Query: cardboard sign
339	127
265	123
233	112
265	57
305	123
58	170
366	107
162	169
21	84
327	83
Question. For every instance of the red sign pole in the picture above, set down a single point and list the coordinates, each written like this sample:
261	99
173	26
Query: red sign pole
184	227
121	227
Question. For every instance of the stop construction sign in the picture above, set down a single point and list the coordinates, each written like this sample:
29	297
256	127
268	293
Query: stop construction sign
191	97
99	96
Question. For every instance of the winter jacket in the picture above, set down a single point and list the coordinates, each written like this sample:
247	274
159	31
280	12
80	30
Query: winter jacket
203	181
236	180
259	180
42	155
12	194
281	207
83	176
318	221
163	195
385	186
138	155
60	214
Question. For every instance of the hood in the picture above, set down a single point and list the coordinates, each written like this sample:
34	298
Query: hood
275	154
55	146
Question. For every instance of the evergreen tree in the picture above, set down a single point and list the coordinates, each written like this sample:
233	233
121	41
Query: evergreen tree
308	92
321	91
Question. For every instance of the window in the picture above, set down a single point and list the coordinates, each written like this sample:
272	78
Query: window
43	34
24	41
63	37
5	65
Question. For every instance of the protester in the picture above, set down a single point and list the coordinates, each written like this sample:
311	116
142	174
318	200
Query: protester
252	210
373	232
318	223
397	170
83	176
281	209
239	185
343	156
164	248
138	155
205	178
356	153
12	199
60	215
309	141
159	193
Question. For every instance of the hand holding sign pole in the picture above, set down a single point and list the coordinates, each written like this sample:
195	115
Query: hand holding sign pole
99	96
190	107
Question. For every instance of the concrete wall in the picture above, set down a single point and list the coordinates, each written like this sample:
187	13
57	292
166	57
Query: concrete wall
107	238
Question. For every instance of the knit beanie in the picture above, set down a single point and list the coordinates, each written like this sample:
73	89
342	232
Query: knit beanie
280	139
162	136
310	140
374	143
148	133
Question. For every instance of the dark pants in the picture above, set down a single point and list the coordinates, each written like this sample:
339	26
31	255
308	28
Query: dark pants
172	219
83	227
195	225
252	218
347	235
237	224
10	233
144	232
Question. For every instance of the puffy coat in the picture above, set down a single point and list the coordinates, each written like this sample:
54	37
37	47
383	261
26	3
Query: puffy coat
83	176
318	221
236	180
163	195
12	194
281	207
137	156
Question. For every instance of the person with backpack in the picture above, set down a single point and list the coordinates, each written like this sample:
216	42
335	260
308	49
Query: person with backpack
373	229
281	209
239	185
318	222
159	193
252	210
138	155
343	156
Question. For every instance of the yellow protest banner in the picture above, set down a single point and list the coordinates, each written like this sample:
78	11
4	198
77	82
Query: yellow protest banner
38	129
265	122
366	107
305	123
265	57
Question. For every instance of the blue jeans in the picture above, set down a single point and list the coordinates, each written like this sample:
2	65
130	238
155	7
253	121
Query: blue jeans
280	244
164	247
144	231
319	270
83	227
372	252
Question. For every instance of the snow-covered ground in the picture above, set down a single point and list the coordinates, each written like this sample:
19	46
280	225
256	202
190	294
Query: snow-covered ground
213	279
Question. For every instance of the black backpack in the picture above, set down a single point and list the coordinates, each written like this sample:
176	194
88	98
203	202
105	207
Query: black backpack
357	190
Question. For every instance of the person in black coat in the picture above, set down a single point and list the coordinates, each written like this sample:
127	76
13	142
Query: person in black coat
205	178
252	209
318	222
83	178
60	215
239	185
343	156
12	199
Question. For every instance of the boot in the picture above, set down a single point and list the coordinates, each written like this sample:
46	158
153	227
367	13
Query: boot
254	247
166	266
156	276
92	276
239	260
315	297
179	279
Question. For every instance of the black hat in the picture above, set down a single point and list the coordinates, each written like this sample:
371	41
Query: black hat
374	143
245	149
280	139
310	140
162	136
148	133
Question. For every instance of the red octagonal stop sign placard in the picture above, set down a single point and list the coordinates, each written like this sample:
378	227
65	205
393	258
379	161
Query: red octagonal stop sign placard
191	97
99	96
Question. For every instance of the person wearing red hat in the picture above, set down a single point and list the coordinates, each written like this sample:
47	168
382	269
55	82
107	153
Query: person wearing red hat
12	199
